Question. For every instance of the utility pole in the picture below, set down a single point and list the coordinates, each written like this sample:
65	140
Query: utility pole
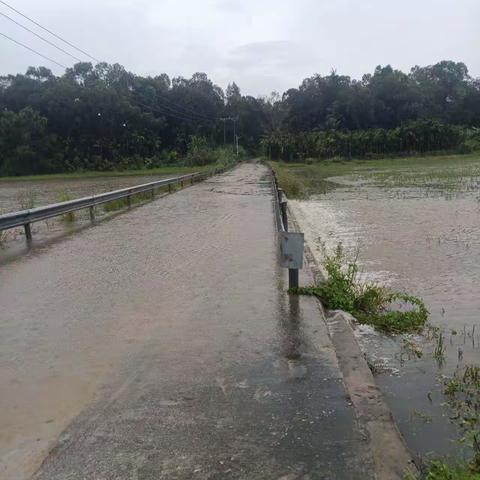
224	119
235	138
234	119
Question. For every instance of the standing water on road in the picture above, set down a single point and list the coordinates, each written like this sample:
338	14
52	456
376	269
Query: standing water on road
21	194
416	224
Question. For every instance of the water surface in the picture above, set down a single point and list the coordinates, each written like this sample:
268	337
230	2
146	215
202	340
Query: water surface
20	194
418	230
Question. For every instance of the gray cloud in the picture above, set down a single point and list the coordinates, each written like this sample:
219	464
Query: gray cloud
263	46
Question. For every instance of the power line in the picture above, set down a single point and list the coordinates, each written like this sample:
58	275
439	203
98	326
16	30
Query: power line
179	116
49	31
32	50
40	37
199	116
174	115
179	111
187	110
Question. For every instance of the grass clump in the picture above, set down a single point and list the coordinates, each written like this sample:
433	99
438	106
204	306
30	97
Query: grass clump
290	183
462	391
3	238
64	196
369	303
115	205
438	470
26	199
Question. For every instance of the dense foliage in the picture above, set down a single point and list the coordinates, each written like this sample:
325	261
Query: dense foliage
417	136
103	117
430	109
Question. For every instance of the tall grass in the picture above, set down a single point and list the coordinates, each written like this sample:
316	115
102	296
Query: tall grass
439	470
26	199
3	238
64	196
369	303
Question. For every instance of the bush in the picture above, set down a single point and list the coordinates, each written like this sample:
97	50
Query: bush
199	153
419	136
441	471
369	303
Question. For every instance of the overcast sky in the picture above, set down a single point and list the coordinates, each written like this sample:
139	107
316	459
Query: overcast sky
263	45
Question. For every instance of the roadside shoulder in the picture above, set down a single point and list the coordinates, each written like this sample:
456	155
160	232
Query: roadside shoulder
391	456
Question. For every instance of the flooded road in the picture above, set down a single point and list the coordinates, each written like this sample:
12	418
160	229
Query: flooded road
16	195
160	344
418	230
20	194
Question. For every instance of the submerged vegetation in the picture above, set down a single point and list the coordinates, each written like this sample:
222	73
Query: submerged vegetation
369	303
439	470
64	196
26	199
441	173
395	312
462	391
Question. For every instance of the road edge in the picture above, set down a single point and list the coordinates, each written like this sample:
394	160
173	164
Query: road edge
392	458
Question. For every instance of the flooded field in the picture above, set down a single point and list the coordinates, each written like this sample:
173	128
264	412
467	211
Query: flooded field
19	194
416	224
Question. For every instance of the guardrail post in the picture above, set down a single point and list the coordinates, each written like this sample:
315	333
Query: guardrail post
92	214
153	193
28	233
129	201
293	278
283	209
181	183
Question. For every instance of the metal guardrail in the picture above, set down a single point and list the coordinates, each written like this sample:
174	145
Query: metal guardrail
25	218
291	243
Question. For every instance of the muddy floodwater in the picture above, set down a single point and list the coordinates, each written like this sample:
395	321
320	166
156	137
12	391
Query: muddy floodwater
417	227
19	194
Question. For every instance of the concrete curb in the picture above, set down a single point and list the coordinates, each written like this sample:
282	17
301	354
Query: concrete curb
391	456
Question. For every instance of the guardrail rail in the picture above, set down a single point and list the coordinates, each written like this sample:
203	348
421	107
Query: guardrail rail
291	243
25	218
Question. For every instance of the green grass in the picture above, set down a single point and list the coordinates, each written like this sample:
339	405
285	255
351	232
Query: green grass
64	196
444	172
438	470
167	170
369	303
462	391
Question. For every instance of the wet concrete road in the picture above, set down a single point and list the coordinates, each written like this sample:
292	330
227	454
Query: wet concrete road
161	345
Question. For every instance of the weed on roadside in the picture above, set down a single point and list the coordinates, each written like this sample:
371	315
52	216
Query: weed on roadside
64	196
3	238
369	303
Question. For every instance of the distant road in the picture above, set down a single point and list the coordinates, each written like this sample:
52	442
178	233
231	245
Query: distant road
161	344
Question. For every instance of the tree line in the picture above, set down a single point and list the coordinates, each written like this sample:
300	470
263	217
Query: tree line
103	117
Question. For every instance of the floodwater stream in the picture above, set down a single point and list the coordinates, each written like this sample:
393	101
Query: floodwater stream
20	194
416	229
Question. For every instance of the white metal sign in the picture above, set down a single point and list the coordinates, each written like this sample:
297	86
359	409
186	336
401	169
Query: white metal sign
291	249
